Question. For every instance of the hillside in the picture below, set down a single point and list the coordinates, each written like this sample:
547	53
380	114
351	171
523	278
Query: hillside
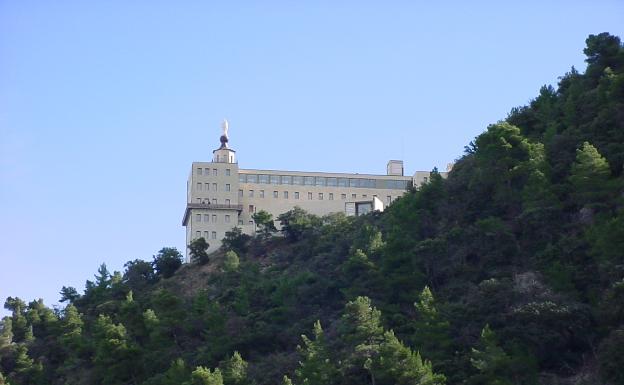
511	271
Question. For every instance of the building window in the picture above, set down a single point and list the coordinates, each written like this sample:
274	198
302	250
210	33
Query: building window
285	194
214	201
298	180
261	193
251	193
320	181
309	196
251	208
425	179
388	199
207	186
214	172
320	196
199	200
275	194
296	194
353	182
199	171
205	235
275	179
198	234
242	178
343	196
199	186
227	172
286	179
227	187
342	182
309	180
197	217
214	235
332	182
206	218
227	219
263	179
251	223
240	193
214	218
240	222
331	196
364	196
252	178
227	202
214	187
353	196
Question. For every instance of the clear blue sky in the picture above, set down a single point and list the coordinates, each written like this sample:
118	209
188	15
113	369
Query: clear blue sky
105	104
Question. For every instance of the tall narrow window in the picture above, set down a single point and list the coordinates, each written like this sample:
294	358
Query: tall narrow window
206	171
227	187
227	219
261	193
251	193
343	196
353	196
206	218
214	235
251	208
207	186
198	218
214	218
320	196
199	186
240	193
214	201
275	194
199	171
388	199
205	235
215	172
227	172
285	194
199	200
214	187
331	196
309	196
227	202
296	194
198	234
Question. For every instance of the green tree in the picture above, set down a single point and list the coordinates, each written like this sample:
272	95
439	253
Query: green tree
115	356
69	294
231	261
204	376
490	360
71	328
236	240
264	221
167	261
316	367
431	336
611	357
296	222
197	251
138	274
589	176
398	364
235	370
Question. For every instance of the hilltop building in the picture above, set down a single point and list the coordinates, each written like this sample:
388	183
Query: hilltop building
220	195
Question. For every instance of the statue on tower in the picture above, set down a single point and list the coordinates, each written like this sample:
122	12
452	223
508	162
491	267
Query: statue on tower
225	126
224	138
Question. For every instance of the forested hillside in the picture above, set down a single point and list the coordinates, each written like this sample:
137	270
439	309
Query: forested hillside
511	271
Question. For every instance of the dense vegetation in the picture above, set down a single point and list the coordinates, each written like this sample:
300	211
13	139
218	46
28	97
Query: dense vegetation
511	271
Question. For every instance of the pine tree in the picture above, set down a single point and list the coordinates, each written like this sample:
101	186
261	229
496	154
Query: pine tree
235	370
490	360
231	261
589	176
431	335
316	367
204	376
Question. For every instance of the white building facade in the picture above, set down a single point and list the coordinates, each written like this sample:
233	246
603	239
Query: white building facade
221	196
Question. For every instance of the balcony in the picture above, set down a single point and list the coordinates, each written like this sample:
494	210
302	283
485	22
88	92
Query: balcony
208	206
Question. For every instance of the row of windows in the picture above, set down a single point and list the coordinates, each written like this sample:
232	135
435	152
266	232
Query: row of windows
322	181
215	171
296	195
213	234
207	218
206	187
211	201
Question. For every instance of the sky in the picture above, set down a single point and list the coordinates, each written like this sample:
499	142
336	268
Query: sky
104	105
